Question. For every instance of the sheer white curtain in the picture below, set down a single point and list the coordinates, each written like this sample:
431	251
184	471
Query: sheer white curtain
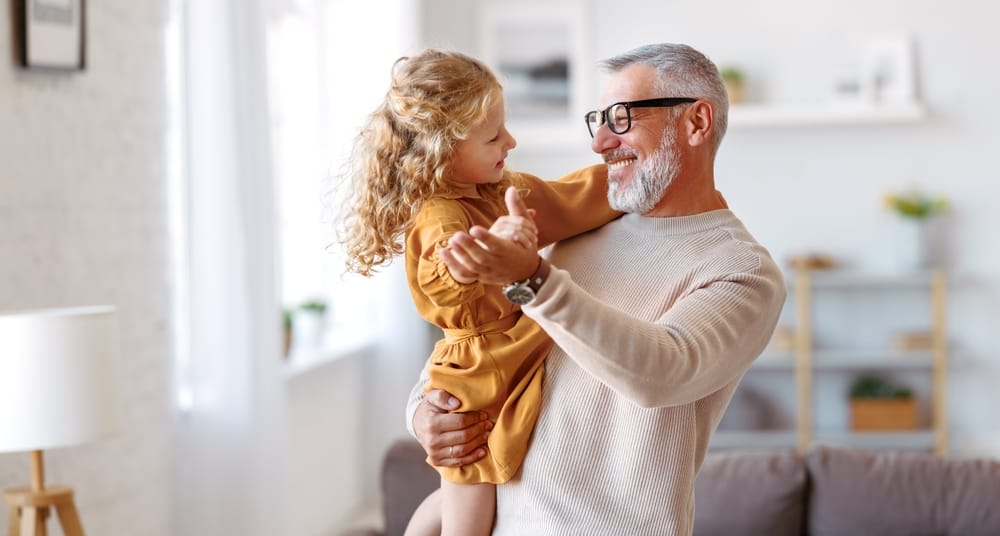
231	468
230	456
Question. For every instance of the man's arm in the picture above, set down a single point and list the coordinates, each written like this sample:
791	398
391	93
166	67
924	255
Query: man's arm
675	359
701	343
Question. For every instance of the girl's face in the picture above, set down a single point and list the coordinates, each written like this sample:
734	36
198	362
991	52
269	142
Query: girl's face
479	159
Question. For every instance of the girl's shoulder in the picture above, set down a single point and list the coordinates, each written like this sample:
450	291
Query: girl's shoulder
451	209
438	206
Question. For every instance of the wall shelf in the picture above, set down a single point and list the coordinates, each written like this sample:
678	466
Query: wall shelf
850	360
871	359
766	115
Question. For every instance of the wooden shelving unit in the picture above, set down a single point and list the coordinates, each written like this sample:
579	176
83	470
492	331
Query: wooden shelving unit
809	363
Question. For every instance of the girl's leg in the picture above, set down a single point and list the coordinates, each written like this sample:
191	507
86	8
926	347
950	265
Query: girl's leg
467	509
426	520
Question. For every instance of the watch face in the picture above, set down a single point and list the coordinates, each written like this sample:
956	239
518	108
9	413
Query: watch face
519	294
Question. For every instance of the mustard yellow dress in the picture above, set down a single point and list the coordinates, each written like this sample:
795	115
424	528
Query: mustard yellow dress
491	355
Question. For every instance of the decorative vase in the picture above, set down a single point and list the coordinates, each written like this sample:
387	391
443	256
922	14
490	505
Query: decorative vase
913	249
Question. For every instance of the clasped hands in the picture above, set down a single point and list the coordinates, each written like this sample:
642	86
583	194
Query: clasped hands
504	253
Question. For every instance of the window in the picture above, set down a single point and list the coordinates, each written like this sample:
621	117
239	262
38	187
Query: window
315	62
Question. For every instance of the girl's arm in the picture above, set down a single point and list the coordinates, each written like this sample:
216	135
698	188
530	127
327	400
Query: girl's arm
436	222
573	204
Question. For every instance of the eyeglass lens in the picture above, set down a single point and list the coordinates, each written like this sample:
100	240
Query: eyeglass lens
618	116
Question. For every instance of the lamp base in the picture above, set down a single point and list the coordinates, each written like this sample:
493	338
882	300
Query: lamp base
29	508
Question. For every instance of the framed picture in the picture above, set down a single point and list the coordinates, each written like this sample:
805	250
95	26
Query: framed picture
52	34
537	51
888	72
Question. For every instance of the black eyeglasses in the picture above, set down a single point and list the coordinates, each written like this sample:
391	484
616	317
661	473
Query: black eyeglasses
618	116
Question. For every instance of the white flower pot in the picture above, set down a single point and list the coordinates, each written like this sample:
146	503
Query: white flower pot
912	245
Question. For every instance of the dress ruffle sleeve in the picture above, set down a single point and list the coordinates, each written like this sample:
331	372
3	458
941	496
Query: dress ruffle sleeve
434	225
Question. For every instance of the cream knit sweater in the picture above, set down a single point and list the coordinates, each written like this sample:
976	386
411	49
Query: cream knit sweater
655	321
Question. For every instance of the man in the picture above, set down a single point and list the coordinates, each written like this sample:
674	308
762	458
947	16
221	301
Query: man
656	317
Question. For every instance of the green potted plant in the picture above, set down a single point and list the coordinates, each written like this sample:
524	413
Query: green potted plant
914	244
878	404
913	204
314	305
286	323
308	324
734	79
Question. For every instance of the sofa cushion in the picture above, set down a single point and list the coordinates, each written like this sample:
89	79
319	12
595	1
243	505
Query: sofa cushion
750	493
973	497
900	493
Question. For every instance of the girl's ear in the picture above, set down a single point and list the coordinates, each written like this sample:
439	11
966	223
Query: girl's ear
699	122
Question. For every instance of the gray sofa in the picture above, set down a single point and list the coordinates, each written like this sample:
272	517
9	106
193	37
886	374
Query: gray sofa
828	491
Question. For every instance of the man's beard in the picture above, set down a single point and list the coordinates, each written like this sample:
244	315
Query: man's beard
649	181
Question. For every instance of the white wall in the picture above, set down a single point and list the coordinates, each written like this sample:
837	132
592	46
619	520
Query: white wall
325	470
821	188
82	221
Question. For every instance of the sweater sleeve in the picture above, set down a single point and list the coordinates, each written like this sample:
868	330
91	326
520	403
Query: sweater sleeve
700	344
573	204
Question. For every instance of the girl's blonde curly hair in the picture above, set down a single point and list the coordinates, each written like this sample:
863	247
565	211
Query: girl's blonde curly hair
403	153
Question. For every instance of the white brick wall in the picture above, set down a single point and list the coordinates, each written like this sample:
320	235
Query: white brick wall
83	221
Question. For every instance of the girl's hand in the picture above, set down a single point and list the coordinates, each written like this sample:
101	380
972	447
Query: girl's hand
517	229
519	226
488	258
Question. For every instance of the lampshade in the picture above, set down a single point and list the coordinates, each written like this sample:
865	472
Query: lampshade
59	383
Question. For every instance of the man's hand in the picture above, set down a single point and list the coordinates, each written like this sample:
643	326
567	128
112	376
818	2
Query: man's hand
450	439
488	258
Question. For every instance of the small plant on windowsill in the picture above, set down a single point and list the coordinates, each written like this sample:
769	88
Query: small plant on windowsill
308	325
286	324
314	306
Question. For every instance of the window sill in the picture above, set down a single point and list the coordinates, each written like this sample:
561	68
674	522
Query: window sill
305	360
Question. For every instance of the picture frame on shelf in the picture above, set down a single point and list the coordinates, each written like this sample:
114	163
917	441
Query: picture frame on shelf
538	52
888	70
52	34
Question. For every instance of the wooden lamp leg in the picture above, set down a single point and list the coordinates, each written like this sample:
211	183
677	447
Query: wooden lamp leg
30	525
29	507
14	522
69	519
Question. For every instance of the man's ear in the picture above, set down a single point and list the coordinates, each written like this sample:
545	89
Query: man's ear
700	120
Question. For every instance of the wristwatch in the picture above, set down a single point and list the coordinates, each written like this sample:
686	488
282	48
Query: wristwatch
523	292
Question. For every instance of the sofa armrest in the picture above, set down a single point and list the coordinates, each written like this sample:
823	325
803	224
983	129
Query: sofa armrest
406	481
751	493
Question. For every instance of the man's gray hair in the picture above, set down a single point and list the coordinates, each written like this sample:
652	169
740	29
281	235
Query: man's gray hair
682	72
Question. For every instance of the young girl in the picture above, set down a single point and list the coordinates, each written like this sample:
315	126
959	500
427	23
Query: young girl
429	163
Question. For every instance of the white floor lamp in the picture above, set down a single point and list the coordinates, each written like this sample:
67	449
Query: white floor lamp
59	387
